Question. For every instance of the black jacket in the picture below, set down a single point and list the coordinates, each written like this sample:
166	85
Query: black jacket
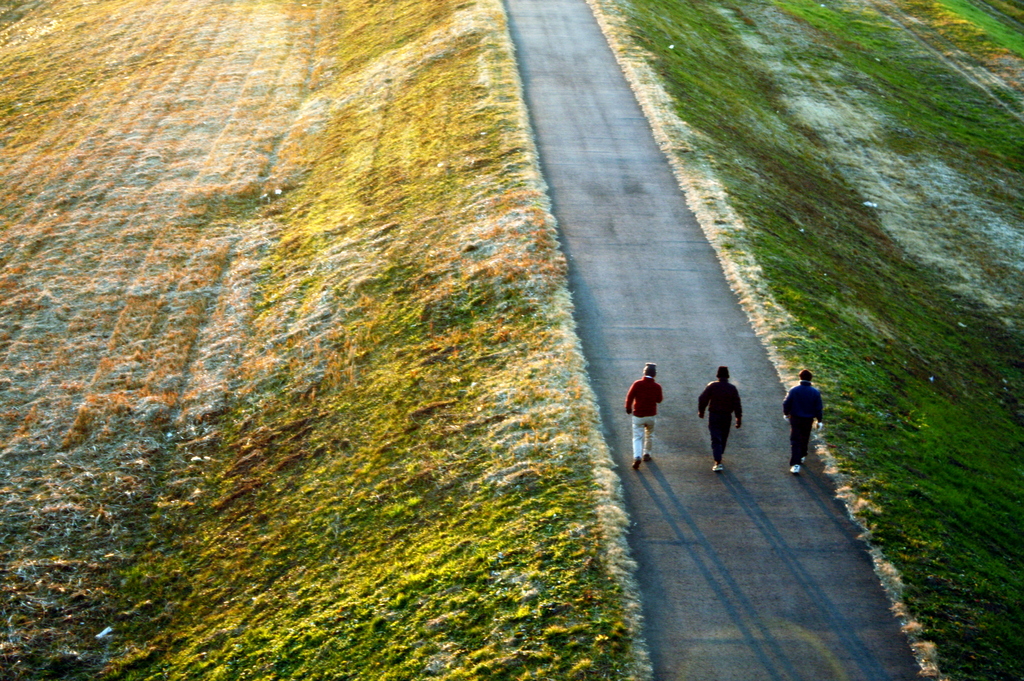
720	396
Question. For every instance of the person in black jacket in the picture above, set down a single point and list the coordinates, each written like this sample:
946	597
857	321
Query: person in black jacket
721	400
801	407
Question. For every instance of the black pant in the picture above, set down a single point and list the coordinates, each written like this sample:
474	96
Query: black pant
799	437
719	424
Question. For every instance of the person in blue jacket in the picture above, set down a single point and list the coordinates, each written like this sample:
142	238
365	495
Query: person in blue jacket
801	408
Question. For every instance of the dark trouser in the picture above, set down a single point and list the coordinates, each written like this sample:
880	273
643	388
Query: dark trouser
799	437
719	423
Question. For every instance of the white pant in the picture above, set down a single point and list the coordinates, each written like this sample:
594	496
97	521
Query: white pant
643	433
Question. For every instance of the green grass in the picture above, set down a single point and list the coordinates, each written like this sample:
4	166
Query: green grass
974	29
922	379
1011	8
407	487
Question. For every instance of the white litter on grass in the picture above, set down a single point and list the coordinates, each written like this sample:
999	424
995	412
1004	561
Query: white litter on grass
672	47
871	204
106	632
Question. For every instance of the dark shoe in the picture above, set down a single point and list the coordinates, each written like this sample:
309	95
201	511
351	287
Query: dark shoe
647	457
636	464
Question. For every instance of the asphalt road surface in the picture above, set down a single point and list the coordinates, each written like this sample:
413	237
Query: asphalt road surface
751	574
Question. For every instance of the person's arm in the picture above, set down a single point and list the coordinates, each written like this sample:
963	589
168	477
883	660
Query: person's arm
739	409
786	404
629	399
702	402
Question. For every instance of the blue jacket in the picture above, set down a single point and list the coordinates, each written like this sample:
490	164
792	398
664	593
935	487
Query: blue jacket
803	400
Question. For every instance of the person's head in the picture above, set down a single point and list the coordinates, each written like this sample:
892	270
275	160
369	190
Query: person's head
806	375
651	369
722	373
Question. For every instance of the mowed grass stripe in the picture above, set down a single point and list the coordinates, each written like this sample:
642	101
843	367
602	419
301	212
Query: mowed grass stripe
119	164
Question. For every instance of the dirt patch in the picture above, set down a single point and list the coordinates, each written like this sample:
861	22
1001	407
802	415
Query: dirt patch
940	214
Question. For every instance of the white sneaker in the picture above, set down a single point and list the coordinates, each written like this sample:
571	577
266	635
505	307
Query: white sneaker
718	467
795	470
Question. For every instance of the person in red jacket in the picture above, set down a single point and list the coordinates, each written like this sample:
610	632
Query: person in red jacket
642	402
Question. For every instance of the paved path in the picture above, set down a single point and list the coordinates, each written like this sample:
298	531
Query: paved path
752	574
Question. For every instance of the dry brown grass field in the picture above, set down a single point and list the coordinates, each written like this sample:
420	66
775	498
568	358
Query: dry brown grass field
286	348
124	301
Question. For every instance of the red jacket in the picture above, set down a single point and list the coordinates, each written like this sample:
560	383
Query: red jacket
643	397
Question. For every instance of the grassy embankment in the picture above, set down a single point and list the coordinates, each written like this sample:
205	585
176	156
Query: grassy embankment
877	239
131	135
412	483
292	385
986	30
